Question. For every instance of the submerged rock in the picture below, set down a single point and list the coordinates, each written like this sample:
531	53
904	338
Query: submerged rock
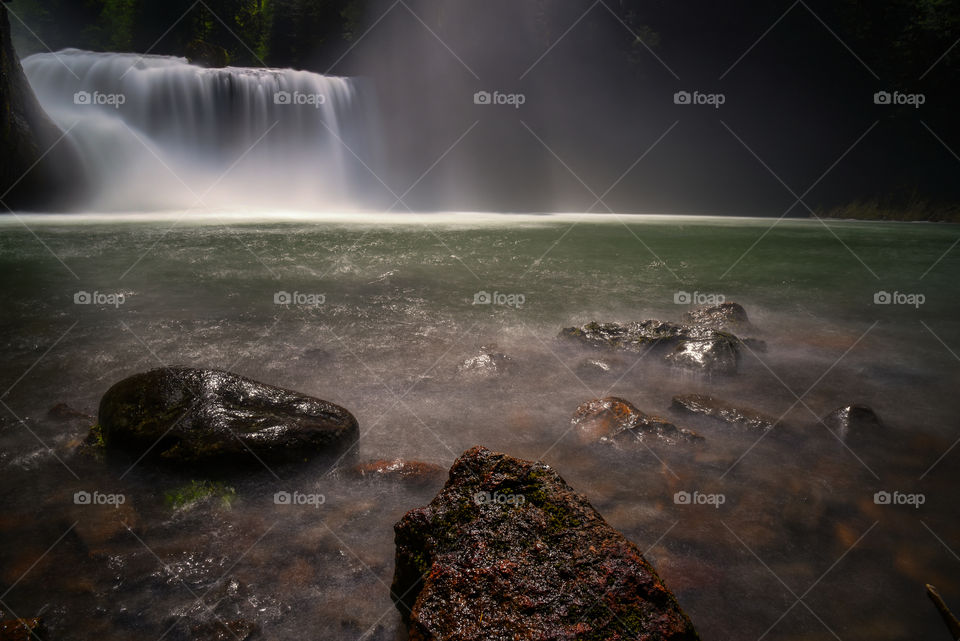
691	347
486	365
63	412
507	550
616	420
409	471
852	419
599	367
722	411
188	415
219	630
22	630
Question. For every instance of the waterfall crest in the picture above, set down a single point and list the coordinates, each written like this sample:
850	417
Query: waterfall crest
157	133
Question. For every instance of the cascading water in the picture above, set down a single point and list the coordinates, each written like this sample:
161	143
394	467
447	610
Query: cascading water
157	133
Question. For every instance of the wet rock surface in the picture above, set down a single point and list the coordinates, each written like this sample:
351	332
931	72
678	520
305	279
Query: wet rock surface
690	347
486	365
508	550
615	420
399	469
726	316
22	630
852	420
722	411
193	416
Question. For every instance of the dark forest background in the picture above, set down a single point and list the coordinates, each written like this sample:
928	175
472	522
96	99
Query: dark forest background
798	77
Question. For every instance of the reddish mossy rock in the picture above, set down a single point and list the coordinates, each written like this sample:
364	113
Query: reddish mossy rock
613	419
507	550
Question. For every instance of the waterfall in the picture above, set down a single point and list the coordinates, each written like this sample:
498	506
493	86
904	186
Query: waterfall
157	133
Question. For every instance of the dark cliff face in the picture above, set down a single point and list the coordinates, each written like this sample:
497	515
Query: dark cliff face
40	168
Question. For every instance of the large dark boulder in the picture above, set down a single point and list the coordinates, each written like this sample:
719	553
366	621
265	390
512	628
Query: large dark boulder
187	415
723	411
507	550
40	168
618	421
694	347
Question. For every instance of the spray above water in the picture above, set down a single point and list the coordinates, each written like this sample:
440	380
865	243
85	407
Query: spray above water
157	133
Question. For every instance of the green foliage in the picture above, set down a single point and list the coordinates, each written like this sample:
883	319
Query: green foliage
187	496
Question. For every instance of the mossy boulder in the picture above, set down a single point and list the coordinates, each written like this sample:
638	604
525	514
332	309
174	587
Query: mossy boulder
194	416
507	550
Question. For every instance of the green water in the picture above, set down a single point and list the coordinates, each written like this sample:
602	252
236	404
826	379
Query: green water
395	316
